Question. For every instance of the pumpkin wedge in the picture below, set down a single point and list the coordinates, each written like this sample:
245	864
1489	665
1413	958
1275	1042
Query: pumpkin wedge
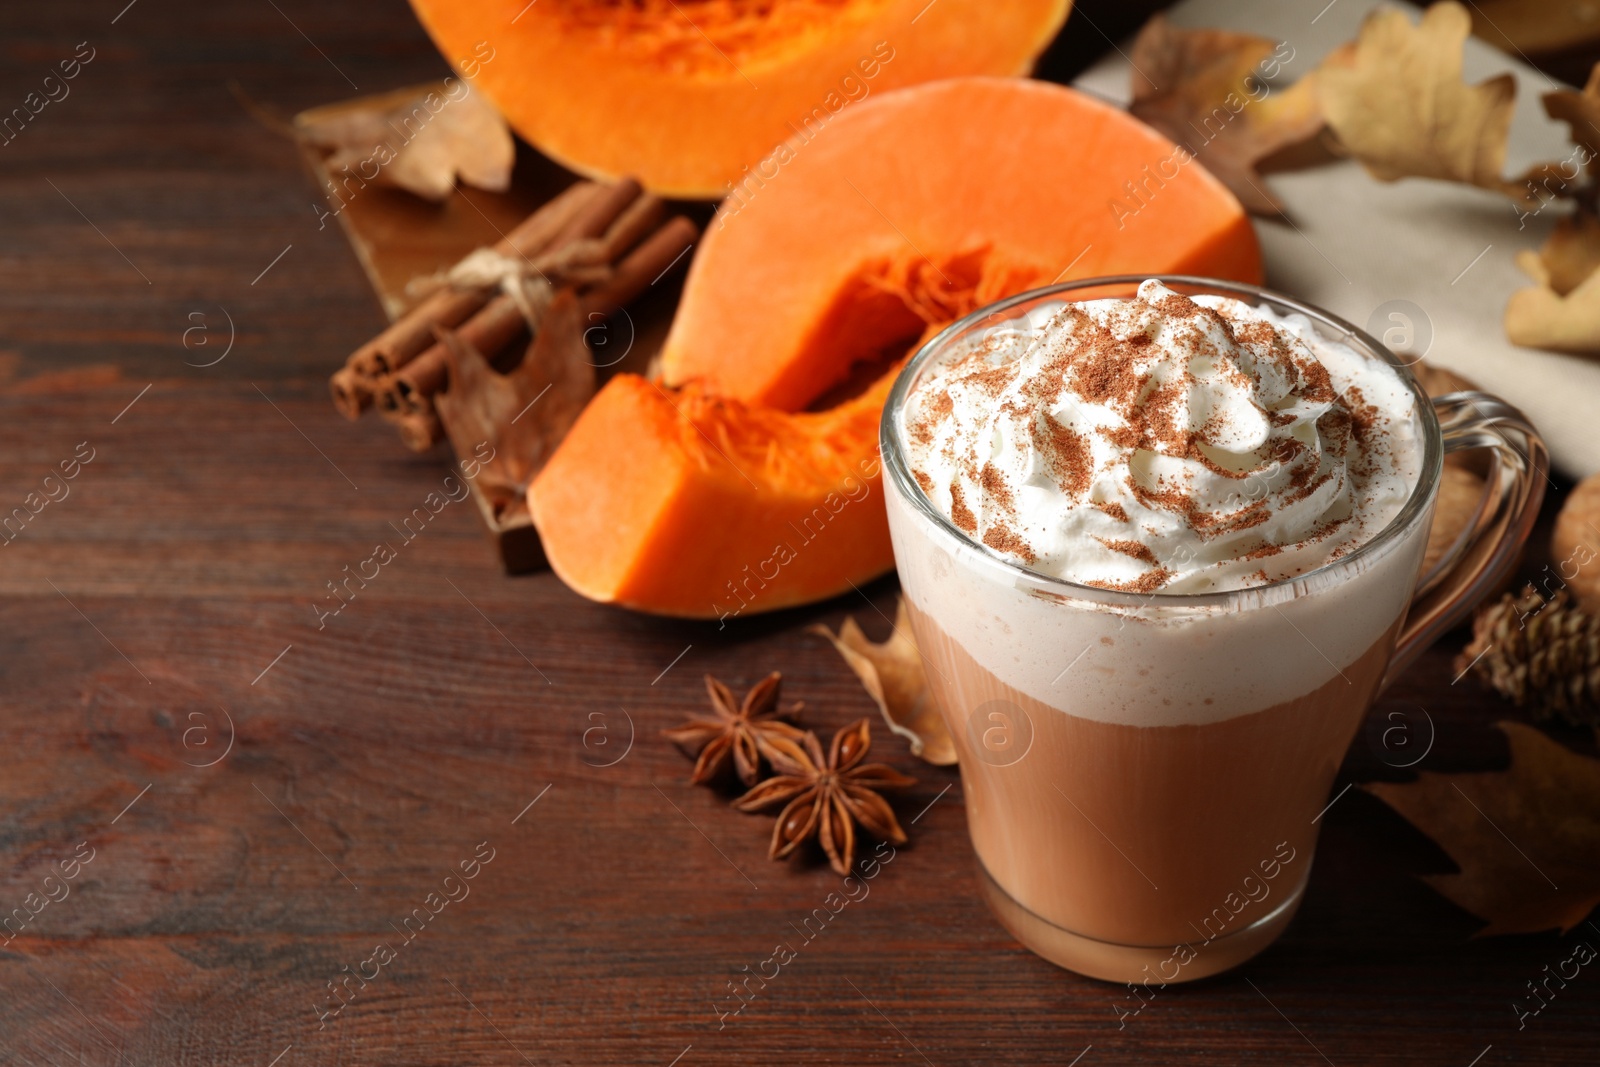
926	201
682	503
748	480
688	94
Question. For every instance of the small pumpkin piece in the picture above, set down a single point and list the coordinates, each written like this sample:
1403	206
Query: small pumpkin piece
679	503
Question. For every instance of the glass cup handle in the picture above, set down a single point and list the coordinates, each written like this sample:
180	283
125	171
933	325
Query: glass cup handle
1488	550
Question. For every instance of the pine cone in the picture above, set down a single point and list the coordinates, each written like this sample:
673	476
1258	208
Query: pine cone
1542	654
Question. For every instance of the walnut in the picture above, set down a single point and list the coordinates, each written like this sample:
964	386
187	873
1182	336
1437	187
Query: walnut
1437	381
1575	545
1460	493
1461	483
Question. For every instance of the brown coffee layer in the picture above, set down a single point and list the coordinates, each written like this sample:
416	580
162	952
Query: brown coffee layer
1145	835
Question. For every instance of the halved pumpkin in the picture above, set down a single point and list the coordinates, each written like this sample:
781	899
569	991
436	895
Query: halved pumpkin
924	202
687	94
714	493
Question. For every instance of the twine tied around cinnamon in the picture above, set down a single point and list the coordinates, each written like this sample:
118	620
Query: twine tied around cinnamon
530	283
606	243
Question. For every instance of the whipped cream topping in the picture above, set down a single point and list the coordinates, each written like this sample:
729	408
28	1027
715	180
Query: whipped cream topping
1163	443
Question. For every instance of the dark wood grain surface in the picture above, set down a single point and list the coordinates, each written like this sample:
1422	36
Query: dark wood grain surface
266	800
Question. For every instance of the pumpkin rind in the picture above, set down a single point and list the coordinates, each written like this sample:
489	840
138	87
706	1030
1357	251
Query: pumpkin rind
686	95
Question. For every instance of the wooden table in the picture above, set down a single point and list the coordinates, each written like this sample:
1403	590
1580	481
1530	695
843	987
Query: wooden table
265	799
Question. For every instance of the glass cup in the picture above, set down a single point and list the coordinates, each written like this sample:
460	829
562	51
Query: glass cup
1144	773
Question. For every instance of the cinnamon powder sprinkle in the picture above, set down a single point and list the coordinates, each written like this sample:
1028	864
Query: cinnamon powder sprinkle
1206	524
994	483
1068	457
1138	550
1316	385
1112	508
1266	551
936	408
1148	582
1003	539
1364	417
960	514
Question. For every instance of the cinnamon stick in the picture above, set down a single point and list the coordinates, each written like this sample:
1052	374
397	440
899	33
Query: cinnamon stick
412	334
641	268
419	430
600	245
490	329
643	216
352	392
598	213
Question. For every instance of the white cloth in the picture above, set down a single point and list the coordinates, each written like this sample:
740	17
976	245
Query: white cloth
1446	250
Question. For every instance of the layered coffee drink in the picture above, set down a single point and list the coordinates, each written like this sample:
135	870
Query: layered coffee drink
1150	551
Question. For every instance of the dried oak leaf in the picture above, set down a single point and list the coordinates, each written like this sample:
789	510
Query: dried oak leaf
740	733
418	139
1397	102
524	413
892	674
1561	311
1526	839
1203	89
828	797
1568	256
1580	110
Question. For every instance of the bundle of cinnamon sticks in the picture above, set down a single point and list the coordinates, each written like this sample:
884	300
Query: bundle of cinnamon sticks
606	243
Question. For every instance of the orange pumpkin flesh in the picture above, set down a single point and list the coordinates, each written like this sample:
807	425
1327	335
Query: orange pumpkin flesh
681	503
719	494
983	186
686	94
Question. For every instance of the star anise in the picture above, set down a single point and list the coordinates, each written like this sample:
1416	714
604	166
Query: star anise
828	798
741	732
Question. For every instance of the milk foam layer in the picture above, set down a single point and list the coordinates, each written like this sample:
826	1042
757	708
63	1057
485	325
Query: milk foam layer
1164	443
1158	660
